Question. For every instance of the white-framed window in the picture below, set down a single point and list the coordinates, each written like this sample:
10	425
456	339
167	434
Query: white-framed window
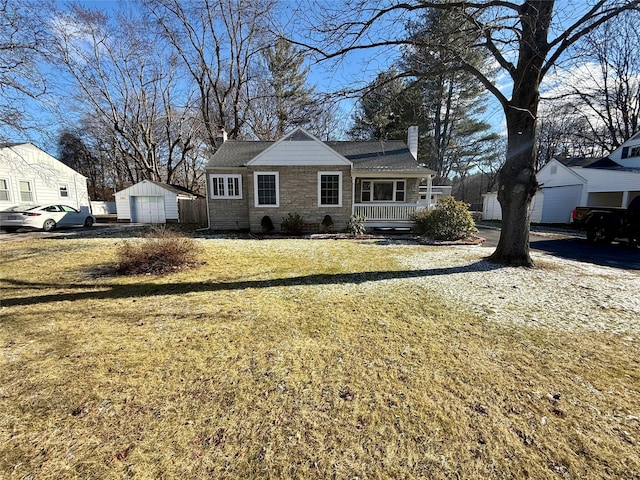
383	191
635	151
329	189
26	191
4	190
64	190
226	186
266	187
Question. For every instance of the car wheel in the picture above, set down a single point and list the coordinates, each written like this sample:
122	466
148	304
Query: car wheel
88	222
598	234
48	225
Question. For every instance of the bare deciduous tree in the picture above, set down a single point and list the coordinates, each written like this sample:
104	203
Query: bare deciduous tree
219	42
129	83
603	97
525	39
22	37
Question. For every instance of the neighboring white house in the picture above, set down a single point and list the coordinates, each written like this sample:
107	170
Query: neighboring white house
150	202
566	183
29	175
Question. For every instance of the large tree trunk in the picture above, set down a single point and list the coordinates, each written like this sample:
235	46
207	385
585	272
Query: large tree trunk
517	186
517	178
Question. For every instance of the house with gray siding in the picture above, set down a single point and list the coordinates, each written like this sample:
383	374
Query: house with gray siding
248	180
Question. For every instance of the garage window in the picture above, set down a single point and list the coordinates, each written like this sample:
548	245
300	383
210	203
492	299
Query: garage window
226	186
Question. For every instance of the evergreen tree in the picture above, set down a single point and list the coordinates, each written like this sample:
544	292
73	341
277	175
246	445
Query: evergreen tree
384	111
446	104
452	100
284	100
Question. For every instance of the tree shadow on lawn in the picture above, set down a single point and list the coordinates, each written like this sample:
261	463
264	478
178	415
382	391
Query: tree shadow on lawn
150	289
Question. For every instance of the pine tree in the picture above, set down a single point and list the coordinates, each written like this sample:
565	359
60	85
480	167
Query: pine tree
284	100
452	100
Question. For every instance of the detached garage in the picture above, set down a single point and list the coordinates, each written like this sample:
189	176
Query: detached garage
151	202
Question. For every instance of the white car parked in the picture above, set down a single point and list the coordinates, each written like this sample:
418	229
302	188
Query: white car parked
45	217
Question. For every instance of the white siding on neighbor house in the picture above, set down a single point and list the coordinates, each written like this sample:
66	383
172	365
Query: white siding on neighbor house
601	180
555	174
628	154
300	153
145	188
536	207
45	175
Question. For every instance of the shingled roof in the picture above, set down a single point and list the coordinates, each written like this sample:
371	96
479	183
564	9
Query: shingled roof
366	156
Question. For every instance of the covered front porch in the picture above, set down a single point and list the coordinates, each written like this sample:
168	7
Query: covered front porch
387	215
390	199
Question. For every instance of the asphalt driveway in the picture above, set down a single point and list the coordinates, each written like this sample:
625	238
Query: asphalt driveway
575	247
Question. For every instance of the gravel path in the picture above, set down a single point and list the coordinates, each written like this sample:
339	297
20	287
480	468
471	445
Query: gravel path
559	293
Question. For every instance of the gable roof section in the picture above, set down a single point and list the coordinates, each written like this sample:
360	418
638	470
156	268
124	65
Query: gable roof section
175	189
377	156
565	176
237	153
33	157
577	161
608	164
299	148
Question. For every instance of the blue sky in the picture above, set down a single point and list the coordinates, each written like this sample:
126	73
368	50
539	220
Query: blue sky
357	69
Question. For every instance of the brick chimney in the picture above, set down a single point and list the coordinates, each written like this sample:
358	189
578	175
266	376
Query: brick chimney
221	136
412	140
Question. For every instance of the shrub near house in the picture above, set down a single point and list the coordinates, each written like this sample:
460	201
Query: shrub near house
449	220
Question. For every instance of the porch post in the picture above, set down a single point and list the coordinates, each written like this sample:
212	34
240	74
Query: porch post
353	194
625	199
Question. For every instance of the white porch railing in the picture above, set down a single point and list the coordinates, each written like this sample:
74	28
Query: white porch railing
387	214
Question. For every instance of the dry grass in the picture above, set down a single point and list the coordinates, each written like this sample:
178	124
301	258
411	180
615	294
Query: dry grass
292	359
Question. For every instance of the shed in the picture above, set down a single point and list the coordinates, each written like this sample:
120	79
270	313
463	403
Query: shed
491	209
151	202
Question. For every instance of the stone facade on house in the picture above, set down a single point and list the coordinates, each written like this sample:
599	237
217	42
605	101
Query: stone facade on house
300	174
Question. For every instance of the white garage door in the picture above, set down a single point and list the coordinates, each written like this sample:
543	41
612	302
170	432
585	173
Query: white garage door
145	209
559	202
